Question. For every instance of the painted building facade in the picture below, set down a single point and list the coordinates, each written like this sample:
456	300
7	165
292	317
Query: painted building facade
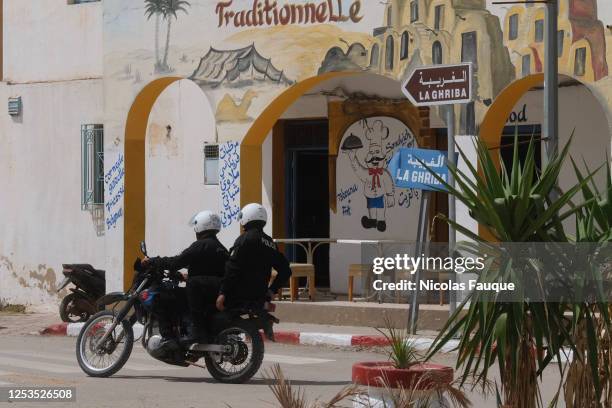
134	115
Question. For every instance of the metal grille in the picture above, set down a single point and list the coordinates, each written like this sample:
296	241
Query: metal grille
92	166
211	164
211	151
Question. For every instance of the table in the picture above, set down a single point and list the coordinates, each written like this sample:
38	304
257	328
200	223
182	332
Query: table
310	245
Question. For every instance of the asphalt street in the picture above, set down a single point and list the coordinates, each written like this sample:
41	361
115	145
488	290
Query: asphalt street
145	382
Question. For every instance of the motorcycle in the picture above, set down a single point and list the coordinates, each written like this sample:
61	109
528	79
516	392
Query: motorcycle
233	352
90	285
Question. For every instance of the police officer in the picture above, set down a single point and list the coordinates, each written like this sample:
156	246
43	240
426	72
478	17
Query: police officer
205	262
248	270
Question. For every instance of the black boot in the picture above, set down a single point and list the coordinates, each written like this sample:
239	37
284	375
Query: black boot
368	222
381	226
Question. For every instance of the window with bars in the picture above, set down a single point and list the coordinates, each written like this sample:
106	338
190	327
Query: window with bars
92	166
211	164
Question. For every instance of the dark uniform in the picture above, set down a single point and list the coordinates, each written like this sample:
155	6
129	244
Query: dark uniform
205	262
248	271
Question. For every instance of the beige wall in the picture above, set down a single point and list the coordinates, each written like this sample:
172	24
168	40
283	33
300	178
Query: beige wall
51	40
42	222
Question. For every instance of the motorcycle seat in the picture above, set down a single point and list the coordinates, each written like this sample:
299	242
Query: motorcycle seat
98	273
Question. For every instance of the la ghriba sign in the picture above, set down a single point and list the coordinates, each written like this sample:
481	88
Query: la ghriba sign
439	85
271	13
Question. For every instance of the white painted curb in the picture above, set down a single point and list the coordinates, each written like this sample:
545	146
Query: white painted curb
307	338
316	339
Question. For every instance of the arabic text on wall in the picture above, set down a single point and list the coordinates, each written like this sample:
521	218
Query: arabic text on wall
229	182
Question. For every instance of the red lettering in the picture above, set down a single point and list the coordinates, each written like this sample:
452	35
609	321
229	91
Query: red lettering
268	12
220	10
354	12
285	15
322	12
239	19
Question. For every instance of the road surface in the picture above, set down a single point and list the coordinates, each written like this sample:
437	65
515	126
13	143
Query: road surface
145	382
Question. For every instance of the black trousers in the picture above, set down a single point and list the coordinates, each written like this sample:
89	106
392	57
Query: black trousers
202	292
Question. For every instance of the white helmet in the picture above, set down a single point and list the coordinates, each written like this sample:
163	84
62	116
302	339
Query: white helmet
252	212
206	221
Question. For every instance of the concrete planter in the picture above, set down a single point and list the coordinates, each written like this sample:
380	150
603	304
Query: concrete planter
380	377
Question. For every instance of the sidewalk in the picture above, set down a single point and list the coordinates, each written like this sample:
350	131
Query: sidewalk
298	334
19	324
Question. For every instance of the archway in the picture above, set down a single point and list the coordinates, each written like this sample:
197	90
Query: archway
251	146
250	163
134	152
495	120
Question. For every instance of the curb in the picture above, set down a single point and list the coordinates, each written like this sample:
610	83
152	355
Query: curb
285	337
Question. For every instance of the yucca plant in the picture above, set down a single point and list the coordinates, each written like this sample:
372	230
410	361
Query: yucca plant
402	348
516	206
588	381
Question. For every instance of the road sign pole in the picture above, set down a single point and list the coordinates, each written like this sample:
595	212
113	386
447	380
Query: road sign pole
419	247
452	214
551	83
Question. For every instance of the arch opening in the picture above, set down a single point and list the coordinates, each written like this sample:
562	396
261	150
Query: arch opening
520	105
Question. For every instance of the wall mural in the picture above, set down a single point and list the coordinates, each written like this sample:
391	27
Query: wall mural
245	52
368	145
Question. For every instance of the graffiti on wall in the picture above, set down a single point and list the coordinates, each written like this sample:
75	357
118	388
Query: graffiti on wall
229	182
113	182
369	145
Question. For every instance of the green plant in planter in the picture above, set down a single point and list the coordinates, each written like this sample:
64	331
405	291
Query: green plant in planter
522	337
402	349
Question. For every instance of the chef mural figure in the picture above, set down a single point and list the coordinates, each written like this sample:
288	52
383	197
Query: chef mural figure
378	186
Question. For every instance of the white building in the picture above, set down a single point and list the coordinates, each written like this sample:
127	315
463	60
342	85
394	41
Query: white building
114	135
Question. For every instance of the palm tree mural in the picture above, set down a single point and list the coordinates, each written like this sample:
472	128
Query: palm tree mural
171	9
155	8
166	10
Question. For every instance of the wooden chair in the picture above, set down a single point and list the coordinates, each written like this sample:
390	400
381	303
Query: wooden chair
302	270
356	271
279	294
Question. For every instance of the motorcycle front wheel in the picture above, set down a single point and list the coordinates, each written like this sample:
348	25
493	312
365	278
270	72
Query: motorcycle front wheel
104	359
244	360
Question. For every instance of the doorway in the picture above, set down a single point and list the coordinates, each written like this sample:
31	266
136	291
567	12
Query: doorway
524	134
307	192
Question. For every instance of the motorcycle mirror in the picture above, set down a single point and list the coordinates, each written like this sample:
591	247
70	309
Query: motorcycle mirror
143	248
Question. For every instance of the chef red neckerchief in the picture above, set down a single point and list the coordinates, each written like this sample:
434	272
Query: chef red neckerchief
375	172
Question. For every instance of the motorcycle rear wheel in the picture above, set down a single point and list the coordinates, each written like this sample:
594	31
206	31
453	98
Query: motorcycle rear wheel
95	363
82	305
246	359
